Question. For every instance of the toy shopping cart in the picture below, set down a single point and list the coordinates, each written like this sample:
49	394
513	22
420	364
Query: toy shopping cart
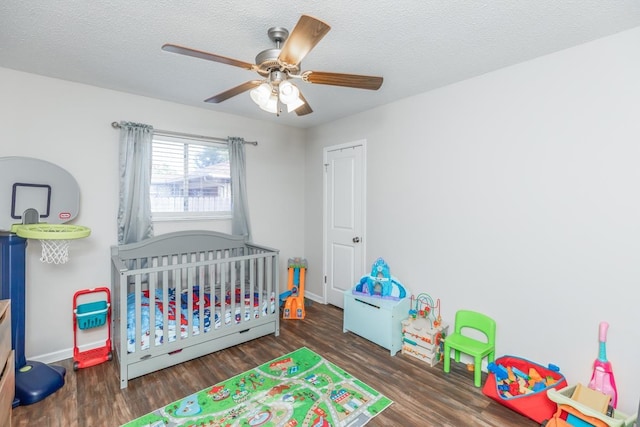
89	315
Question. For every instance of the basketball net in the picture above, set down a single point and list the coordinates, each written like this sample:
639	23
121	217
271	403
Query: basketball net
55	251
54	238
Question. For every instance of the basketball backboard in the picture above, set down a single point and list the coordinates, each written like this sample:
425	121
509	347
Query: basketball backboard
28	183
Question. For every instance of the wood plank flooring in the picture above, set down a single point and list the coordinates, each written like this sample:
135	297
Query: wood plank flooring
423	396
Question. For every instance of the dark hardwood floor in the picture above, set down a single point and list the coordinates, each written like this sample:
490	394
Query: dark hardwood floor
423	396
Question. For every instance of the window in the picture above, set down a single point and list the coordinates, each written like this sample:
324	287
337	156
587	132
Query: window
189	178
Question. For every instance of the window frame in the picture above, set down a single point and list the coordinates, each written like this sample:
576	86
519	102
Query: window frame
186	140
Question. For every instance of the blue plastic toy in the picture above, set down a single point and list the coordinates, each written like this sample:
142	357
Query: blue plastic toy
498	370
380	283
519	373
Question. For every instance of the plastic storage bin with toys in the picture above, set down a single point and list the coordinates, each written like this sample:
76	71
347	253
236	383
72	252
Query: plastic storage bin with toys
521	385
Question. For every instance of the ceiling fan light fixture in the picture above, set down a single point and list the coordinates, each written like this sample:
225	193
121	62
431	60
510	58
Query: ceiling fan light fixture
288	92
271	104
261	94
295	104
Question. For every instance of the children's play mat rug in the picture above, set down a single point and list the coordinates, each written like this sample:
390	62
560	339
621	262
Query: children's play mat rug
298	389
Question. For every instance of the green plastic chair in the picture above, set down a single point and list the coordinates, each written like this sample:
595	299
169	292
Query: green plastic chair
466	319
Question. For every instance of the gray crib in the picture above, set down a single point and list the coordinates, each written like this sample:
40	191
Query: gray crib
182	295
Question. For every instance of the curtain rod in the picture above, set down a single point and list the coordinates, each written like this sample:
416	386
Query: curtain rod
116	125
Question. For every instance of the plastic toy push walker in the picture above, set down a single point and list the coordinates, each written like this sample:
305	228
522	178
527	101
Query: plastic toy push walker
89	315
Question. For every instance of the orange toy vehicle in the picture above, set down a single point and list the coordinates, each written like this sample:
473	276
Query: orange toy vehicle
294	303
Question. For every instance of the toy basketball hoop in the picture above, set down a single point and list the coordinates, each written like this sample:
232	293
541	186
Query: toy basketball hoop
38	198
54	238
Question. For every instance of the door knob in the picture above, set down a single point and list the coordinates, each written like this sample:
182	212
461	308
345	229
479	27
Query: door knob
356	240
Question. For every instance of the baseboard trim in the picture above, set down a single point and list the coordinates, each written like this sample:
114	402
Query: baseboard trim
314	297
66	353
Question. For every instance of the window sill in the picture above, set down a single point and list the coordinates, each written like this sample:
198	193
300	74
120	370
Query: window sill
171	217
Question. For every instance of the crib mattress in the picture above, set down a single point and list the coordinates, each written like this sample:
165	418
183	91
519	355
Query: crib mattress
223	315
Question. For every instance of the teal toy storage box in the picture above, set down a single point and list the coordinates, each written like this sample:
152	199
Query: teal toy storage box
377	319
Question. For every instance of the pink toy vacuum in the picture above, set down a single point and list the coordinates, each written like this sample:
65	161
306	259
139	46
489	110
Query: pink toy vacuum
602	378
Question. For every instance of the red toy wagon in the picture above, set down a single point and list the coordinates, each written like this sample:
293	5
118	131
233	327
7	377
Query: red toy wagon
89	315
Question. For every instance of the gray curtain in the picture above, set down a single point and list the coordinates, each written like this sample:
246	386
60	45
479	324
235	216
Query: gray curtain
239	203
134	213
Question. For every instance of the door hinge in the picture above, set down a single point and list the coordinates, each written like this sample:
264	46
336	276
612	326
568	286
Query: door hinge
325	280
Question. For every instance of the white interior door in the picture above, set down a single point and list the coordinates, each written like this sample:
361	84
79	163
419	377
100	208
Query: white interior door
344	219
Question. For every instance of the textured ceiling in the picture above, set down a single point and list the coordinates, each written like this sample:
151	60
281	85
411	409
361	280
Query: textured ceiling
416	45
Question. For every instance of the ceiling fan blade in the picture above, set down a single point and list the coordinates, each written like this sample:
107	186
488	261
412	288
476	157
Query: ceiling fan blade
206	55
304	109
304	36
346	80
233	91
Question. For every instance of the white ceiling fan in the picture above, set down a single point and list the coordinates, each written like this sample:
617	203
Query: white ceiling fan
279	65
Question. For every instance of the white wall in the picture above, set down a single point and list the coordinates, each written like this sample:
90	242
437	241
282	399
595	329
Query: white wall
514	194
69	125
520	184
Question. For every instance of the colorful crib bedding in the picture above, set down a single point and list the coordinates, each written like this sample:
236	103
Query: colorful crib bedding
247	309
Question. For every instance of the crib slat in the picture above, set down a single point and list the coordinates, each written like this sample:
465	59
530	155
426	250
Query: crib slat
191	277
138	312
